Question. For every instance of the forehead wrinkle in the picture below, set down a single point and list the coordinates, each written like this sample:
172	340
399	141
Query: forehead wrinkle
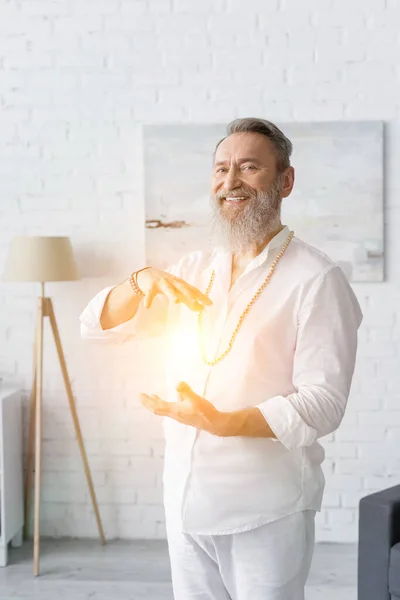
239	161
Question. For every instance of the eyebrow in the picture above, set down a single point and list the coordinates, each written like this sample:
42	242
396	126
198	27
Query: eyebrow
242	160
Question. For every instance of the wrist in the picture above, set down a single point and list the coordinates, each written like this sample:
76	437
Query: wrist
139	276
135	283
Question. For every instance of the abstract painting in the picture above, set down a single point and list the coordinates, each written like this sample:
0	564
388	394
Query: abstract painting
336	204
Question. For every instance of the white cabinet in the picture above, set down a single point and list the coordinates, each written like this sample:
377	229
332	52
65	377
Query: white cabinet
11	473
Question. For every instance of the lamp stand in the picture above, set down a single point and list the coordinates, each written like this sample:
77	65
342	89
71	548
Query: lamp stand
45	309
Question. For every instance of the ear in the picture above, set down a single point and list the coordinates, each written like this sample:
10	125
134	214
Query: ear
287	182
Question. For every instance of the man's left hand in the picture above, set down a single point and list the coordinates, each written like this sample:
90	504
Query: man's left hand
191	409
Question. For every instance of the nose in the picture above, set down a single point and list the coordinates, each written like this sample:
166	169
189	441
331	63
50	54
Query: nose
232	179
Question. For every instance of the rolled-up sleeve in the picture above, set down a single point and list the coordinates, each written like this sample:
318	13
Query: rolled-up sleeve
145	322
323	365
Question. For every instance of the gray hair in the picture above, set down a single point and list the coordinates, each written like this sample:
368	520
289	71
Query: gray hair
283	146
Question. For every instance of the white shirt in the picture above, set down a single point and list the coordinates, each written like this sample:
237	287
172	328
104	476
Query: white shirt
293	358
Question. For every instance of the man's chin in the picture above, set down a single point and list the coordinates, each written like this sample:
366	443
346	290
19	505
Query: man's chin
230	213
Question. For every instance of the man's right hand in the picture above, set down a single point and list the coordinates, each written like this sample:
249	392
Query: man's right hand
152	282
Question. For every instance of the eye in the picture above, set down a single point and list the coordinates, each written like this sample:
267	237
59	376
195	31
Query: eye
249	168
222	170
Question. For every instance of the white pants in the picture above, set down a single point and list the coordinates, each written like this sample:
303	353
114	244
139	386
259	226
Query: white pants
270	562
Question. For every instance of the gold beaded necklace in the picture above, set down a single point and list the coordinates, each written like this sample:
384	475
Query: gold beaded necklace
244	314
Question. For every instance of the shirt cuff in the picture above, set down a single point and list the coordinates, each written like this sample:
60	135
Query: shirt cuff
90	316
286	423
90	320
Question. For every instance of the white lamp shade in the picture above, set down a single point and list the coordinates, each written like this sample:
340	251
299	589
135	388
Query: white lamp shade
40	258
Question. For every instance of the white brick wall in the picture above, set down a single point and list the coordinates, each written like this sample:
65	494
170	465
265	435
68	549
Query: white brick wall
75	79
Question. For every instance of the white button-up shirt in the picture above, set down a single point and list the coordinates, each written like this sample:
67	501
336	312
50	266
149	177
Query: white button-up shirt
293	358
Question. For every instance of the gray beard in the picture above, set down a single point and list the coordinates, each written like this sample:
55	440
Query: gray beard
247	226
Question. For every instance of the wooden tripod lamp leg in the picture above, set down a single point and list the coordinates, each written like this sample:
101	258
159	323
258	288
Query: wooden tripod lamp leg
31	437
29	460
50	312
38	436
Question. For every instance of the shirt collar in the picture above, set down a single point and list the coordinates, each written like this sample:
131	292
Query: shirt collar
222	262
276	242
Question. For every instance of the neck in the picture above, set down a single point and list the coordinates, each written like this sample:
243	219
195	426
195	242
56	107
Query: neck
253	250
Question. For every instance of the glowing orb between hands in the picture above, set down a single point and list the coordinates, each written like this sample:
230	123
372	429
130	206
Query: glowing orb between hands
184	347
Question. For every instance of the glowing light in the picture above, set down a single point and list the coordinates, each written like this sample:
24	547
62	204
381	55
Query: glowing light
184	346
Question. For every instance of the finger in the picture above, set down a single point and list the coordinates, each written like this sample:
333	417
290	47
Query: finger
186	391
176	294
166	409
146	400
149	297
169	290
188	299
193	292
183	388
205	300
161	407
154	403
187	288
191	303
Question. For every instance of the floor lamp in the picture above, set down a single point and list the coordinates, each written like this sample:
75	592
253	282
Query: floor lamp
42	259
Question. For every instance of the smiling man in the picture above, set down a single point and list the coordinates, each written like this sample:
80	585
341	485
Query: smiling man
272	328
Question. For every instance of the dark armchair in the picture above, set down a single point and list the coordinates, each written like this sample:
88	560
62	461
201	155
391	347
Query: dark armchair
379	546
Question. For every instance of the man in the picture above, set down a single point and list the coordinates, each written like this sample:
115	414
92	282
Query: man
273	324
